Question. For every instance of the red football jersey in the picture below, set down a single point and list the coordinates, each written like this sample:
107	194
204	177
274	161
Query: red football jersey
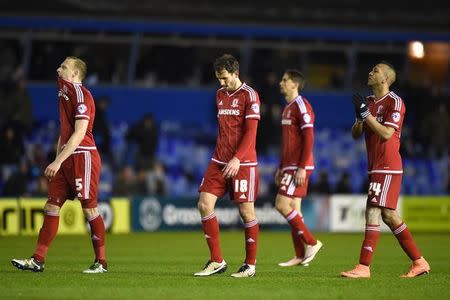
384	156
297	115
75	103
232	111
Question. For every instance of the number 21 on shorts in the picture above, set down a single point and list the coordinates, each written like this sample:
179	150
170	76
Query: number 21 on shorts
286	180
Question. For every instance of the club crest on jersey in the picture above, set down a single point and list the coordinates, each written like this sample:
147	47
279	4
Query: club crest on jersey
235	102
65	88
306	118
396	116
82	108
255	108
288	114
379	109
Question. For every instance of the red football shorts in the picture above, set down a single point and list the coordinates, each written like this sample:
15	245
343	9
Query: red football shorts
384	190
287	185
78	177
242	188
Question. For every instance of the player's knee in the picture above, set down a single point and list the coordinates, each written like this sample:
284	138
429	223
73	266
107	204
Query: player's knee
204	207
293	205
247	216
90	213
282	206
247	213
389	216
373	214
51	208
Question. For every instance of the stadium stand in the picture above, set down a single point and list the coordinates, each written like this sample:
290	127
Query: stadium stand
167	55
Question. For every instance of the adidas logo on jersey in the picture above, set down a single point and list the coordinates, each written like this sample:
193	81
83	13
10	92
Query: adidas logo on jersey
242	196
220	103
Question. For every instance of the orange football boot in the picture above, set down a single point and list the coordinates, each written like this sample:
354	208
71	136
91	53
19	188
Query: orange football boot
360	271
419	267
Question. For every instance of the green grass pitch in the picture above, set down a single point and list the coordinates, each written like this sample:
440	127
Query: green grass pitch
161	266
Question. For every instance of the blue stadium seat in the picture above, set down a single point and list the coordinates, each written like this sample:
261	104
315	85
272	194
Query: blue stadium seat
189	149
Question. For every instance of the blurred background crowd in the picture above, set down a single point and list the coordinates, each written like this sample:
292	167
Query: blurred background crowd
152	155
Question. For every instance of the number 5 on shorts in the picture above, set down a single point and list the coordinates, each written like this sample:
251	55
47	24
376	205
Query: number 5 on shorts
78	184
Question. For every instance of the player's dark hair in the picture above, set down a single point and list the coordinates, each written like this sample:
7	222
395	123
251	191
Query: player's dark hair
385	62
226	62
297	77
391	71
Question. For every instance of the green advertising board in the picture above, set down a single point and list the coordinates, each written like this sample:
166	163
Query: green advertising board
430	214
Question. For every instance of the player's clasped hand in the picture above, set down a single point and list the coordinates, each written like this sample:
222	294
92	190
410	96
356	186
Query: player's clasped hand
52	169
361	107
300	176
231	168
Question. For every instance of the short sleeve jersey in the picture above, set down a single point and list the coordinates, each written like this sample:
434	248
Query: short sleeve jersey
297	115
384	156
233	109
75	103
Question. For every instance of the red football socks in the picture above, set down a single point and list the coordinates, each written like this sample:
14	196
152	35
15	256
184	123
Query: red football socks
299	226
251	241
98	239
211	230
46	235
299	246
406	241
371	237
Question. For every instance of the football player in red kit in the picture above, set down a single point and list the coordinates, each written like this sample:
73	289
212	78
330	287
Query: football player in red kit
296	165
233	167
380	117
75	172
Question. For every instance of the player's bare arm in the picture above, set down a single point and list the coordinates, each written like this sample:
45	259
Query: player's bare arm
383	131
357	129
58	146
231	168
73	142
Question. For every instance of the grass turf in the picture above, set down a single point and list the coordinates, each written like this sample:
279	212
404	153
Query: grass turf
161	266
